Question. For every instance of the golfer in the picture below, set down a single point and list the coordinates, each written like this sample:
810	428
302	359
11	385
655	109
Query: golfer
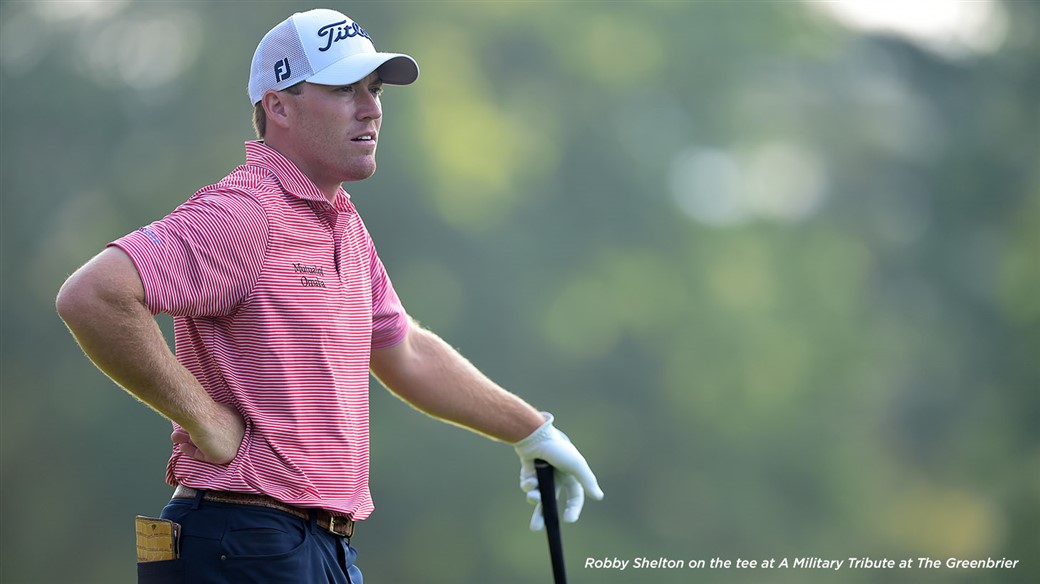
281	308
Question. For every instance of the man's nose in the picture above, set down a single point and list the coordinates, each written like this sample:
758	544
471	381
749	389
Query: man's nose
369	108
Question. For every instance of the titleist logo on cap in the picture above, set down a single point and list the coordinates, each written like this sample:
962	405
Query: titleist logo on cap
344	32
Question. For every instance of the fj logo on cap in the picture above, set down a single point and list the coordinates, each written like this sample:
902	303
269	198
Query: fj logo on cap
344	32
281	70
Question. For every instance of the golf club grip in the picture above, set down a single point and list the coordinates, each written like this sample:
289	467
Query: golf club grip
547	489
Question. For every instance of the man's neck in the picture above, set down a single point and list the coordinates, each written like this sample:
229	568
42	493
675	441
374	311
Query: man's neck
328	186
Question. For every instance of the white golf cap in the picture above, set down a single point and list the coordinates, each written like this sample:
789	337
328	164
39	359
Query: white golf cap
323	47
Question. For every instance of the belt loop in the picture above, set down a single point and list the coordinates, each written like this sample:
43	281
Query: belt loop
314	521
198	499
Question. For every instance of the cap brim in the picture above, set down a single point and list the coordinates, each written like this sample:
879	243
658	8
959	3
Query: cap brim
394	69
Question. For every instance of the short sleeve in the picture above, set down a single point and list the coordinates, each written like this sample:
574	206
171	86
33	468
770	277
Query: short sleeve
204	258
389	319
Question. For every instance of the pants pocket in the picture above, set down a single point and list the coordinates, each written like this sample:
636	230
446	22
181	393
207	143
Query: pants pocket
165	572
271	553
262	542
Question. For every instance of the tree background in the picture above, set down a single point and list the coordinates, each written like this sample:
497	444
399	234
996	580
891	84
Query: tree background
775	268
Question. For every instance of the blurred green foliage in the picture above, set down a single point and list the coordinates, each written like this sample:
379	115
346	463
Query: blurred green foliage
779	278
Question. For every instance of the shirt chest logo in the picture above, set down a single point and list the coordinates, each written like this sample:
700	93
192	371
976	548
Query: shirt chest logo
310	275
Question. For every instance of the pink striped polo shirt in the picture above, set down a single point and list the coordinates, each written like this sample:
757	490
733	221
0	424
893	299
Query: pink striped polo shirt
278	298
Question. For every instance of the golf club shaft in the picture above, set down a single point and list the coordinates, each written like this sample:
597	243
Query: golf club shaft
547	488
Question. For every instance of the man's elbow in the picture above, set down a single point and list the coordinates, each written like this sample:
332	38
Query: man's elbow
107	284
75	298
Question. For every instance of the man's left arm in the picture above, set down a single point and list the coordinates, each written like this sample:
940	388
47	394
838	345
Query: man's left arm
433	377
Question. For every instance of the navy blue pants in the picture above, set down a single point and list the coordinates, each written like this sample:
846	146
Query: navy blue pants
239	544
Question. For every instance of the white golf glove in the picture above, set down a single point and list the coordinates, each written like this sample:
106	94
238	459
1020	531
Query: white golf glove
572	474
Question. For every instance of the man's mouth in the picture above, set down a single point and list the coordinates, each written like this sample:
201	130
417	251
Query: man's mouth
370	137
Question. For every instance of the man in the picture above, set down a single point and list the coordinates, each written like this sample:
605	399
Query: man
282	307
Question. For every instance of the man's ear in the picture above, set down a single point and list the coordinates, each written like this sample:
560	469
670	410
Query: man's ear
277	107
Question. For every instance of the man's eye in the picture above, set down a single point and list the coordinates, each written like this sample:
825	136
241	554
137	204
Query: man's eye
377	91
347	89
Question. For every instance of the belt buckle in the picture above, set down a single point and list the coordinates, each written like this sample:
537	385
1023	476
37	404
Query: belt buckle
348	530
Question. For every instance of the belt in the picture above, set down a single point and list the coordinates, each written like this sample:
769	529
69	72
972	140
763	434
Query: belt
335	524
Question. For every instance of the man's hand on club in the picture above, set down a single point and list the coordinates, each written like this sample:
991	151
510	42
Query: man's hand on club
215	442
573	476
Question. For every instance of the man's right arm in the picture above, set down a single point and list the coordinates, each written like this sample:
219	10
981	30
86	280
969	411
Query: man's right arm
103	304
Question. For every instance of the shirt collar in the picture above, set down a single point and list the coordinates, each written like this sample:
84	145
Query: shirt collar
288	175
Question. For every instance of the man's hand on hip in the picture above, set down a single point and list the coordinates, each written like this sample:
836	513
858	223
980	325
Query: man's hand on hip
215	441
573	476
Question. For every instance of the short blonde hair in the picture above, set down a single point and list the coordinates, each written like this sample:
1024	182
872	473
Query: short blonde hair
260	116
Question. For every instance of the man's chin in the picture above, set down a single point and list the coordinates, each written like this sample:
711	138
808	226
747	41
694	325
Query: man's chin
360	172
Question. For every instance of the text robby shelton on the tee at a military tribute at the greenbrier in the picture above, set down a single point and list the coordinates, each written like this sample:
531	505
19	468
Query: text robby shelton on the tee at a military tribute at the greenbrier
799	563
